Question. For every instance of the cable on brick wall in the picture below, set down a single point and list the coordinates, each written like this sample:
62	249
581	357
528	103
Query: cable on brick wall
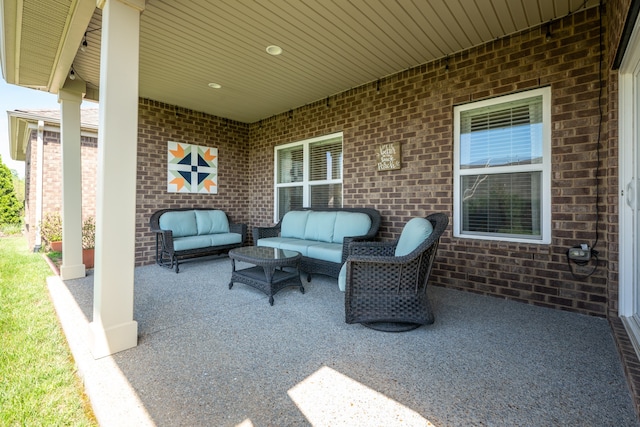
576	250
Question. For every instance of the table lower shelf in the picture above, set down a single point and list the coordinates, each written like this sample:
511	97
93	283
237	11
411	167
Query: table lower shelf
256	277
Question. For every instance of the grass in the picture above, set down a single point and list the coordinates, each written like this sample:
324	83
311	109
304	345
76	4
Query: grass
38	381
10	229
55	257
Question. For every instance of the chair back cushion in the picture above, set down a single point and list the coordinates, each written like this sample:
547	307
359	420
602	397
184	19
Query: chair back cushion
342	278
413	234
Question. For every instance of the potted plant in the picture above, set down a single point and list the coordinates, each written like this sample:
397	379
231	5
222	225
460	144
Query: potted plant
51	230
88	241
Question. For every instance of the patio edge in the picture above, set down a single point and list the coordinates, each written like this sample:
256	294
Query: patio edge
112	398
629	359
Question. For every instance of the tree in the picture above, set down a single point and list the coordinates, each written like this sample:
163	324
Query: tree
18	186
10	207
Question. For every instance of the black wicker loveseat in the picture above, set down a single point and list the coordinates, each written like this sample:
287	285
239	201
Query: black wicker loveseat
183	233
321	235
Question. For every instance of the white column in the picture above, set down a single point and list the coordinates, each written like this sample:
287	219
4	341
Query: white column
39	183
70	98
113	328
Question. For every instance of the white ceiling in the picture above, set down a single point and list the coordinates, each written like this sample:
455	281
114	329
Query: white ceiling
329	45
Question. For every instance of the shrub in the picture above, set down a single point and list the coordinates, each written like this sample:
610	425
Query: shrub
89	233
51	227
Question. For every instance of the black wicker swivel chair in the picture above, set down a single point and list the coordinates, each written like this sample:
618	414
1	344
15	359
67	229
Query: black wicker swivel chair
386	289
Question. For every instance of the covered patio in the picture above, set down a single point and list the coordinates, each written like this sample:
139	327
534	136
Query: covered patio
208	355
250	79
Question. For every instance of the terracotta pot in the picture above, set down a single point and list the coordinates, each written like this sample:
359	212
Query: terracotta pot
56	246
87	257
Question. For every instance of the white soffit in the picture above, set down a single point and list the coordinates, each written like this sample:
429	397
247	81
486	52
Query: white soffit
329	46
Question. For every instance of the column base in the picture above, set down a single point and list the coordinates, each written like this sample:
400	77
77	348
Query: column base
105	342
68	272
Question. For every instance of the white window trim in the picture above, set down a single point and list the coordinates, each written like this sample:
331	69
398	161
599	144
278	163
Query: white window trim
306	194
545	167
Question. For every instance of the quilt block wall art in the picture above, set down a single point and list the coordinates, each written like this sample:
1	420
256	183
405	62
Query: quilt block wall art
191	168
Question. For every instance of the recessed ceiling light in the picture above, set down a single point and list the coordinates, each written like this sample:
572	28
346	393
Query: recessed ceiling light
215	85
274	50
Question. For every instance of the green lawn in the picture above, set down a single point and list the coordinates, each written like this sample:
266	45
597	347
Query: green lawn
38	381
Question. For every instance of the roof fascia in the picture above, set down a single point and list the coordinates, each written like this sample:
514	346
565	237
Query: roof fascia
18	137
55	127
9	39
35	118
22	123
68	47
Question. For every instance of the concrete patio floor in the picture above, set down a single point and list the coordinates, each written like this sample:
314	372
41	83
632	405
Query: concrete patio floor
210	356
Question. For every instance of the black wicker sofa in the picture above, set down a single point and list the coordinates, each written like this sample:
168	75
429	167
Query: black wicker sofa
183	233
321	235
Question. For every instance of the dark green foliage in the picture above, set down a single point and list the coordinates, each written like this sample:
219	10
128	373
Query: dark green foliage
10	207
18	186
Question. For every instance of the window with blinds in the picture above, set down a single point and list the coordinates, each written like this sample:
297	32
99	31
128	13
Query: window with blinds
308	174
502	169
502	135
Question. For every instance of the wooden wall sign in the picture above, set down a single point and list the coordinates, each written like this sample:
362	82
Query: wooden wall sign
388	156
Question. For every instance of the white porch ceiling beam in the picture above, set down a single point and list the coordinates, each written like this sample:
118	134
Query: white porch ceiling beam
37	44
72	37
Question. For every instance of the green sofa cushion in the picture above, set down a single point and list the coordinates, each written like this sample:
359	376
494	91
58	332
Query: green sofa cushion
276	242
211	222
331	252
191	242
320	226
293	224
298	245
350	224
181	223
221	239
197	242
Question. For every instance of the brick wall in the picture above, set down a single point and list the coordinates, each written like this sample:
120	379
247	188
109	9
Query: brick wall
415	108
89	159
52	178
159	123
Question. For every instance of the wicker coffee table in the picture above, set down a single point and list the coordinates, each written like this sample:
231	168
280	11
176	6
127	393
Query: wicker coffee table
274	269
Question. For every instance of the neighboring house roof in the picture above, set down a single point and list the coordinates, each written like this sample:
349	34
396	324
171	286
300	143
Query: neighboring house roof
22	122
